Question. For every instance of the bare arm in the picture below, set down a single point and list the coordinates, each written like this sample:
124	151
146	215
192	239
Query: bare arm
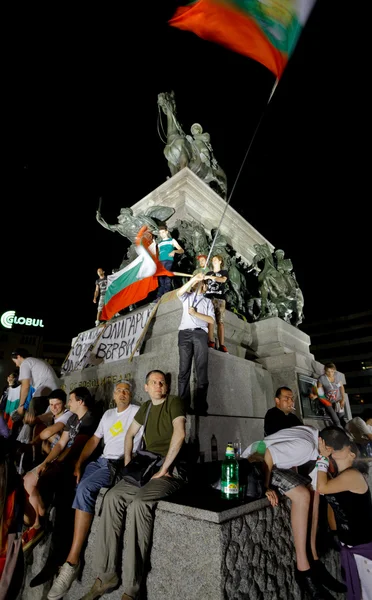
214	278
206	318
178	437
350	480
96	294
88	449
186	287
48	432
55	452
342	401
177	249
128	442
25	387
268	467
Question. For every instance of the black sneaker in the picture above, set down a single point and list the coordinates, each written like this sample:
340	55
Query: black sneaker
323	577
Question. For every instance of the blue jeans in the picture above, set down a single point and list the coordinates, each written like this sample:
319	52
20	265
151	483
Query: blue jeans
96	476
165	283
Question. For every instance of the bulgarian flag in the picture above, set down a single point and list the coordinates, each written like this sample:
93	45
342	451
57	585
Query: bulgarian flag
135	281
264	30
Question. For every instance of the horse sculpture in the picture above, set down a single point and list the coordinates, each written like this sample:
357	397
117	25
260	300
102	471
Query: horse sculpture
183	150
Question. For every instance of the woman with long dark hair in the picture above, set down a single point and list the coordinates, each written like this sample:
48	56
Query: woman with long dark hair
350	498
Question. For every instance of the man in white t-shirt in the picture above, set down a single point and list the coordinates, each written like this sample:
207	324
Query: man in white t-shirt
98	474
197	315
34	373
283	452
49	426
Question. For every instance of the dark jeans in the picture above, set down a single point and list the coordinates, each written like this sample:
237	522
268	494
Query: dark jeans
165	283
193	343
334	416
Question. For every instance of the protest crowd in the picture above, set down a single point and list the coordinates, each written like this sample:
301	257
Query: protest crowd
58	450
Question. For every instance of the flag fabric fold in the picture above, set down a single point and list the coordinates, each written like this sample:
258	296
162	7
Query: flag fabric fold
266	31
135	281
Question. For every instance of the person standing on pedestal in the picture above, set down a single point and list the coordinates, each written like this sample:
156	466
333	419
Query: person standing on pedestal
168	247
331	388
198	314
216	292
100	291
202	264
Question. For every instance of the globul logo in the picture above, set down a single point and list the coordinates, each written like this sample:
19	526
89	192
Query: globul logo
8	319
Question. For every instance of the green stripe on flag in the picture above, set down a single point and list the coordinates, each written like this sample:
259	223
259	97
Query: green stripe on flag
122	282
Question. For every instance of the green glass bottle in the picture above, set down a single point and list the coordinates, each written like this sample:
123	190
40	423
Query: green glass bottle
230	475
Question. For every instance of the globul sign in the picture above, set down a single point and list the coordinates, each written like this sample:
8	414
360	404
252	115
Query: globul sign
8	319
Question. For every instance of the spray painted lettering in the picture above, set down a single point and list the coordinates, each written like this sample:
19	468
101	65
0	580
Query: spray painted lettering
105	344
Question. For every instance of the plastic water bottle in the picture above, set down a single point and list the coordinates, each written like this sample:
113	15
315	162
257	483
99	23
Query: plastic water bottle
230	475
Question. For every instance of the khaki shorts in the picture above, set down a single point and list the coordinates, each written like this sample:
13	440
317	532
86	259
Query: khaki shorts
219	309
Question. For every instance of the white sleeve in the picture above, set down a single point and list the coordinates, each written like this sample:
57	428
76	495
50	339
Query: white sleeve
25	371
361	425
100	430
64	418
210	309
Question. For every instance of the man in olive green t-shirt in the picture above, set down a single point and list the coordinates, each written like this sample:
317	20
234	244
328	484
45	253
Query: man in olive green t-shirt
164	434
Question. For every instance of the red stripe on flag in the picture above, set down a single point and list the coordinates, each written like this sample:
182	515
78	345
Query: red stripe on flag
225	25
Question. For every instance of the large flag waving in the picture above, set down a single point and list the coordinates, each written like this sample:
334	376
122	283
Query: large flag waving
265	30
135	281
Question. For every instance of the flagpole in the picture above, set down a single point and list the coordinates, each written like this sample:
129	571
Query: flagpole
241	168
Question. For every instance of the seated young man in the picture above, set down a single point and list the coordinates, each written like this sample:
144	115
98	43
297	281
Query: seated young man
41	481
48	426
284	451
97	474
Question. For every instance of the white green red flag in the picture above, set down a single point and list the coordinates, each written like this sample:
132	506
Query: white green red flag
265	30
134	282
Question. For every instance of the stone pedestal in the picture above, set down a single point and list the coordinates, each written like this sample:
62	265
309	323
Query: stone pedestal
194	199
240	389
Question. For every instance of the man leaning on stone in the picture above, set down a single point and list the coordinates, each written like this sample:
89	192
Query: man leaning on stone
93	476
164	434
281	416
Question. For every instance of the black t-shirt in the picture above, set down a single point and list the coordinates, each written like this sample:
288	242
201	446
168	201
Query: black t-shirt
75	426
102	284
215	288
276	419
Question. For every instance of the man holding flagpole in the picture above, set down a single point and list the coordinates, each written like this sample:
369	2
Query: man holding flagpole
198	312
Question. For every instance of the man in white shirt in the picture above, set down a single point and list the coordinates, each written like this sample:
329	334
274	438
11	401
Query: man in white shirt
98	474
34	373
283	452
198	312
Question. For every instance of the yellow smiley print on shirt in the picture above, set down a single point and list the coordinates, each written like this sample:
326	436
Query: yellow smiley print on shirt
116	428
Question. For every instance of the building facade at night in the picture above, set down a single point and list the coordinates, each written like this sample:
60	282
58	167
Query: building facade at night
347	342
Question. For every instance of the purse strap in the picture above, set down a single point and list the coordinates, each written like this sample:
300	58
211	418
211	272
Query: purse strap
143	441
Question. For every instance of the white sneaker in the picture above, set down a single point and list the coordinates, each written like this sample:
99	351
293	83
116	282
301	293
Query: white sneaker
67	575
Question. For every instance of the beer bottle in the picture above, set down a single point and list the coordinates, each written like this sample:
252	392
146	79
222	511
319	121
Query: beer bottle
230	475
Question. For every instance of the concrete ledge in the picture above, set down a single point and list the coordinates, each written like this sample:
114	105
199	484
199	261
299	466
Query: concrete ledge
210	516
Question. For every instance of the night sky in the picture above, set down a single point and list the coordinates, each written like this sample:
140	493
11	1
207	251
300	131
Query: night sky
81	92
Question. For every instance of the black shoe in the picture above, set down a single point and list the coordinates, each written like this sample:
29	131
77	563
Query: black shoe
190	411
46	574
323	577
307	583
201	412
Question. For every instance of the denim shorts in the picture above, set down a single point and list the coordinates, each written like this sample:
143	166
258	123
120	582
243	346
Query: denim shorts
96	476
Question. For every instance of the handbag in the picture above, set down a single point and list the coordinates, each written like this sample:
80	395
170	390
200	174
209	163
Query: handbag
144	464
